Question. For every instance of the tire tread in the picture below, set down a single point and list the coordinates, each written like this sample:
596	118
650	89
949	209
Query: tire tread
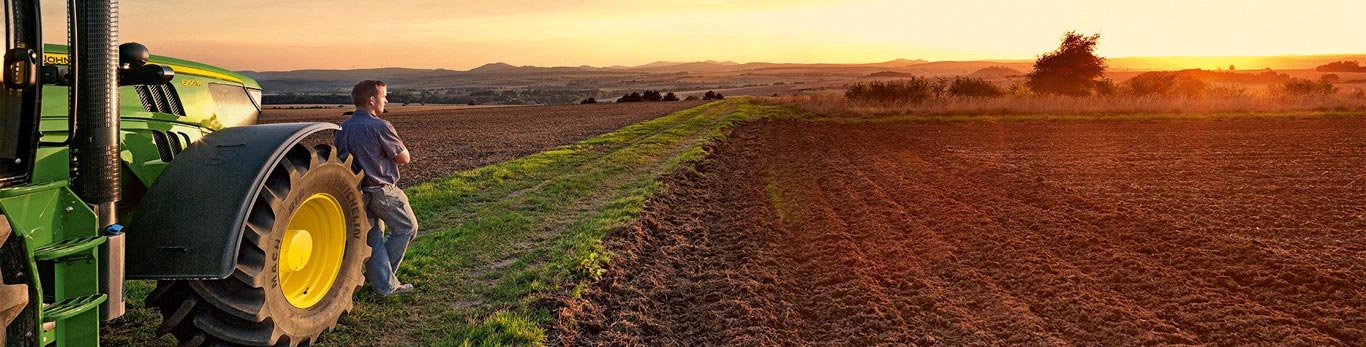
233	311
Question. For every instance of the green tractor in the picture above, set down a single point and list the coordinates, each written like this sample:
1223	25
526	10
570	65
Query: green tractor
254	237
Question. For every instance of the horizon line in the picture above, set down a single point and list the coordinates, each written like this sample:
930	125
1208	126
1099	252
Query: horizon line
715	61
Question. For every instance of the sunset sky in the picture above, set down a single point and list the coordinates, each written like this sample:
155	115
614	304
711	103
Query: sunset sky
343	34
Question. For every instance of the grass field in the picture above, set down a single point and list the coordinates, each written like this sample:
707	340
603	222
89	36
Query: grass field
501	244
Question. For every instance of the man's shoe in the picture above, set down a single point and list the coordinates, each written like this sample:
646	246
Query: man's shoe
402	289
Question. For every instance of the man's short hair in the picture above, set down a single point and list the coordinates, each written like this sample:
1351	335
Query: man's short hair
363	91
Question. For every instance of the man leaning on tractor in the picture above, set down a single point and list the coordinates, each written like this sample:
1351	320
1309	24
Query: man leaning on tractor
377	149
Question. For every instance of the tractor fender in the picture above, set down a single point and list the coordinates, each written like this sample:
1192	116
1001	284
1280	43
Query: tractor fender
190	223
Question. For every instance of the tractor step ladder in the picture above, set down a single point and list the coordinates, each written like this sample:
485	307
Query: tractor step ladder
66	248
72	316
71	307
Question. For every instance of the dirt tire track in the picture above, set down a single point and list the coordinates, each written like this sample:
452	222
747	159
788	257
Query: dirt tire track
664	315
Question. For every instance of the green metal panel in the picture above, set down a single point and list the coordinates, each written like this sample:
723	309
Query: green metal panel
139	149
43	215
191	82
50	165
200	109
54	54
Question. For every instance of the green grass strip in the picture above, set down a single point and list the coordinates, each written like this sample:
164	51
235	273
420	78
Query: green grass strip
495	239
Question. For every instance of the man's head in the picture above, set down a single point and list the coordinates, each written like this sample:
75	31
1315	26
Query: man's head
370	95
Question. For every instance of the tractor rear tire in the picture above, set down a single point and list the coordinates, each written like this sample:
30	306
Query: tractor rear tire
14	290
306	231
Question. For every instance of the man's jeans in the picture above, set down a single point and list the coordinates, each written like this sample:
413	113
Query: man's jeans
387	203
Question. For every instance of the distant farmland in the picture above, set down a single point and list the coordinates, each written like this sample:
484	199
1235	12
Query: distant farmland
447	139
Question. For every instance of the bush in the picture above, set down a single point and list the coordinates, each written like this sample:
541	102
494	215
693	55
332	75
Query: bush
648	96
1303	87
589	101
1226	91
1017	89
975	87
1164	83
940	87
1106	87
914	89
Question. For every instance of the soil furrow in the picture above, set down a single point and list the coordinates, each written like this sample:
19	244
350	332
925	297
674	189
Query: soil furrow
1196	232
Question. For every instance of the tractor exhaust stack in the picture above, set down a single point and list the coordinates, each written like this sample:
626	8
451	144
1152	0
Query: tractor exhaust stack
93	97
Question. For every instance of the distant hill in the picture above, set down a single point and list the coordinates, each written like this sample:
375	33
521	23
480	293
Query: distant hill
995	72
494	68
701	66
664	64
1290	62
906	62
725	75
651	65
889	74
501	68
356	74
714	66
965	67
949	69
505	68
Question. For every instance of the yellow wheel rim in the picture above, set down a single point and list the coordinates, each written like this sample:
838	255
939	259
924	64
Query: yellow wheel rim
312	250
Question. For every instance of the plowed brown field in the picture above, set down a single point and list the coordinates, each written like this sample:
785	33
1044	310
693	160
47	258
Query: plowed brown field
444	141
1205	232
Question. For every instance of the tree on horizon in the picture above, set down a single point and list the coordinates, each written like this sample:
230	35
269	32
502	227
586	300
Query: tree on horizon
652	96
632	97
1341	66
1073	69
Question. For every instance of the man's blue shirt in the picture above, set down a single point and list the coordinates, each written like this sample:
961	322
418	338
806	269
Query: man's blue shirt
374	143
